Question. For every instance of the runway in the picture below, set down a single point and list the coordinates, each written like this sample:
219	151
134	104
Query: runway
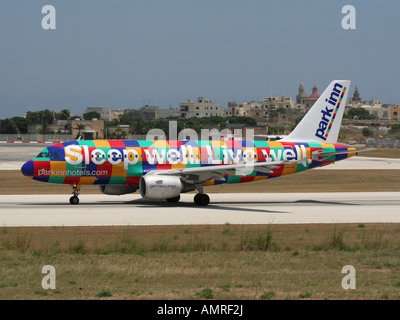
279	208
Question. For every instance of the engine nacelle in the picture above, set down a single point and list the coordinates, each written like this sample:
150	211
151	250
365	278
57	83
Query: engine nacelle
117	189
160	187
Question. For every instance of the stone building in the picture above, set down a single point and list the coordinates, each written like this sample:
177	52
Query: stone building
395	112
303	99
87	129
199	109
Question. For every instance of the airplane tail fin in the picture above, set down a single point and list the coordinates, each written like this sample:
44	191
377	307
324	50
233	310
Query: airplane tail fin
322	122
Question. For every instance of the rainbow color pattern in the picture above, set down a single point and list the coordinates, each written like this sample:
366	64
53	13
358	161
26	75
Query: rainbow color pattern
335	112
51	165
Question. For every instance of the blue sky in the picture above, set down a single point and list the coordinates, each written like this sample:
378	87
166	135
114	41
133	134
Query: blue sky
124	54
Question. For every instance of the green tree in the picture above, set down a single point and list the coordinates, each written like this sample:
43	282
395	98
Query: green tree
394	129
79	127
64	114
359	114
22	124
8	126
41	117
45	129
367	132
91	115
137	126
68	128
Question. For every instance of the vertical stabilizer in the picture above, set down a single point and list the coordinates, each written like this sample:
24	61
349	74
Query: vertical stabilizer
322	122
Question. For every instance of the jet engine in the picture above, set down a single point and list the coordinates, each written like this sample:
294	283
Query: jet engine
117	189
160	187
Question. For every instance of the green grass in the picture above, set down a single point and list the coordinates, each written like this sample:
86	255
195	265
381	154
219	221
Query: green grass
104	293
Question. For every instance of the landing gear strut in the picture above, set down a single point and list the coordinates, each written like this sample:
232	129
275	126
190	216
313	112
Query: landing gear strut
201	199
75	191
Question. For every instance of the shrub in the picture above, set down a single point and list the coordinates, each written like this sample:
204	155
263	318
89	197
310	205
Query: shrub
267	295
305	295
206	293
104	293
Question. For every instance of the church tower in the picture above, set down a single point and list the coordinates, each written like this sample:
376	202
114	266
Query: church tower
356	96
302	94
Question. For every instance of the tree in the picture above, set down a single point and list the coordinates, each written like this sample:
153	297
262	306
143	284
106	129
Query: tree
394	129
118	133
41	117
64	114
79	127
45	129
8	126
367	132
359	114
68	128
137	126
22	124
90	115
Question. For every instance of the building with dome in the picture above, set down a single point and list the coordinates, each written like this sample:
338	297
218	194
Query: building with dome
304	100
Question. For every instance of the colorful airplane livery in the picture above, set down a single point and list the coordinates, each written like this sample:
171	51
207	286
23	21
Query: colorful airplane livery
163	169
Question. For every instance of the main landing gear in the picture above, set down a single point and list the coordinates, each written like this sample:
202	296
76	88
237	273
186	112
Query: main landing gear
75	191
201	199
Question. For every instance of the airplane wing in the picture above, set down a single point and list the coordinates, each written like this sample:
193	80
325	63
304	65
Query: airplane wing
197	175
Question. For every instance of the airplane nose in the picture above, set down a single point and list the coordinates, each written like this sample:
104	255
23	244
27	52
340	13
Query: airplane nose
28	169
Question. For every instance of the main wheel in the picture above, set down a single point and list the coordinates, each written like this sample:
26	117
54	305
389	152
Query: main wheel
201	199
74	200
174	199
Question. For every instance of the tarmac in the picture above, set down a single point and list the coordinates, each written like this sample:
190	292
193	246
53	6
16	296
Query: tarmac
270	208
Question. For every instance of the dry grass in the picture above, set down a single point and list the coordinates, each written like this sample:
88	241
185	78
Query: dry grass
382	153
199	262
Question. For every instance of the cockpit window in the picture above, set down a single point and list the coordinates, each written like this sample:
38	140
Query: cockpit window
42	155
50	155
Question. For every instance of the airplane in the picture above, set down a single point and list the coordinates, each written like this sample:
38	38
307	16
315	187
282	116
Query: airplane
163	169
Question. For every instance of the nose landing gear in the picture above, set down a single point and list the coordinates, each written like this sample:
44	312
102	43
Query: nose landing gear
75	191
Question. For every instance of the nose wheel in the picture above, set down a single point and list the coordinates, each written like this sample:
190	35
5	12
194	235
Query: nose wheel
201	199
74	200
75	191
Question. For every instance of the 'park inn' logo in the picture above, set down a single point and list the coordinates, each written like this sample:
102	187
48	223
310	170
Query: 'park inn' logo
330	111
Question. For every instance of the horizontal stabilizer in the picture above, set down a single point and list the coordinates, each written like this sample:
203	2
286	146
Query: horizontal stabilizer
323	156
